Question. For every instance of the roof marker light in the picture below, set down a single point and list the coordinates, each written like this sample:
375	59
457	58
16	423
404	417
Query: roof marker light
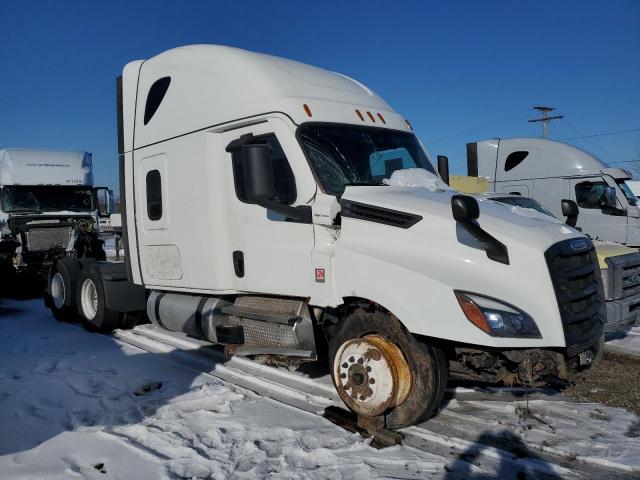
381	118
409	125
307	109
371	117
360	115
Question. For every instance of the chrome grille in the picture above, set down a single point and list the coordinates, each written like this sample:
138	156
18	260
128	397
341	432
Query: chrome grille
46	238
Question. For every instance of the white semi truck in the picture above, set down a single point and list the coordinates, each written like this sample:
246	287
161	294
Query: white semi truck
550	171
257	215
48	209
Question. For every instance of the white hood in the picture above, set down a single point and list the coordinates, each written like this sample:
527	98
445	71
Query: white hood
499	220
414	271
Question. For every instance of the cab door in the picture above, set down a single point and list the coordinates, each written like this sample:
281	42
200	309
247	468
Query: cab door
271	254
598	222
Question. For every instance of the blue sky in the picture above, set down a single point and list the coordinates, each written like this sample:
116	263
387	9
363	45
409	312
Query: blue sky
459	71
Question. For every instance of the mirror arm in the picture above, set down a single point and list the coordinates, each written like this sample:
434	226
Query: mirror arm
301	213
572	220
495	249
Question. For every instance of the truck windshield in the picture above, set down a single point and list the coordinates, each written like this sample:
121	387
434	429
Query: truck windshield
44	198
631	198
344	155
524	202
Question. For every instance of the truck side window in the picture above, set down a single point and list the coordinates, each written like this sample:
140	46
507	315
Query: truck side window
282	173
514	159
154	195
589	194
154	98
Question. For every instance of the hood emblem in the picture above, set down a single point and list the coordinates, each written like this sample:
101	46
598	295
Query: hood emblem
578	245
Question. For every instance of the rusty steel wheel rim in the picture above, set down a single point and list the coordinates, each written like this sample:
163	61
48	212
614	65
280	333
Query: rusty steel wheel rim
371	375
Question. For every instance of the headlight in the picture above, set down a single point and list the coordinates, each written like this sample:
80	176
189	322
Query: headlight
496	318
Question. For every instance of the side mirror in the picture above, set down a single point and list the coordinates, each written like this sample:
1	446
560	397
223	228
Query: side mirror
443	168
466	211
259	183
464	208
106	201
571	211
608	198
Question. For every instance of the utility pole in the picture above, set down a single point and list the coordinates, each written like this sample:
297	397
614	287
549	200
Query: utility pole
545	118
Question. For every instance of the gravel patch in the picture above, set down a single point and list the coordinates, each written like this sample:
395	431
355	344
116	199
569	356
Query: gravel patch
614	382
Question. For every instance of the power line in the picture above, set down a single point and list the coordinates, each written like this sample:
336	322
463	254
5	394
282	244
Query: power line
583	137
473	129
625	161
601	134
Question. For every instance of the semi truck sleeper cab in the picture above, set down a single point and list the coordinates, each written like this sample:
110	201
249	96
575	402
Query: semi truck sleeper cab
258	215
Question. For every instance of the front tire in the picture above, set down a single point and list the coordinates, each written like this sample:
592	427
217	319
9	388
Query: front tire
92	308
380	370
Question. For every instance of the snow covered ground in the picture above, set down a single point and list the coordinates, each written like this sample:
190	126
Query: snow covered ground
627	342
80	405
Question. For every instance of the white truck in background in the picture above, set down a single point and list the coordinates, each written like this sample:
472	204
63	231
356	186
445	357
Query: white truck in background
260	212
48	209
634	186
550	171
619	264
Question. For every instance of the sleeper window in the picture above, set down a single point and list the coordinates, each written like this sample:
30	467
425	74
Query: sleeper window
283	175
155	96
154	195
514	159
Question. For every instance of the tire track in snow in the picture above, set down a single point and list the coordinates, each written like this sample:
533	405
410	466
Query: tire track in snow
313	396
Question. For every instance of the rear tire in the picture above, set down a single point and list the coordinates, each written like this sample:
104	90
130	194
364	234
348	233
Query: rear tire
375	332
92	308
61	293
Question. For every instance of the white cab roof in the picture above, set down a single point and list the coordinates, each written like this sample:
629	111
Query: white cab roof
212	85
44	167
546	158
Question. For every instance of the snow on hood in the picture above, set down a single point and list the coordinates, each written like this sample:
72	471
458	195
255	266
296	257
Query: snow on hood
416	177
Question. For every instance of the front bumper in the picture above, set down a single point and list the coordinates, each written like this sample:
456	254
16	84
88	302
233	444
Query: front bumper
622	314
532	367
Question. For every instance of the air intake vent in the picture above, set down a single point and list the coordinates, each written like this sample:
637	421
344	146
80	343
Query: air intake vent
377	214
